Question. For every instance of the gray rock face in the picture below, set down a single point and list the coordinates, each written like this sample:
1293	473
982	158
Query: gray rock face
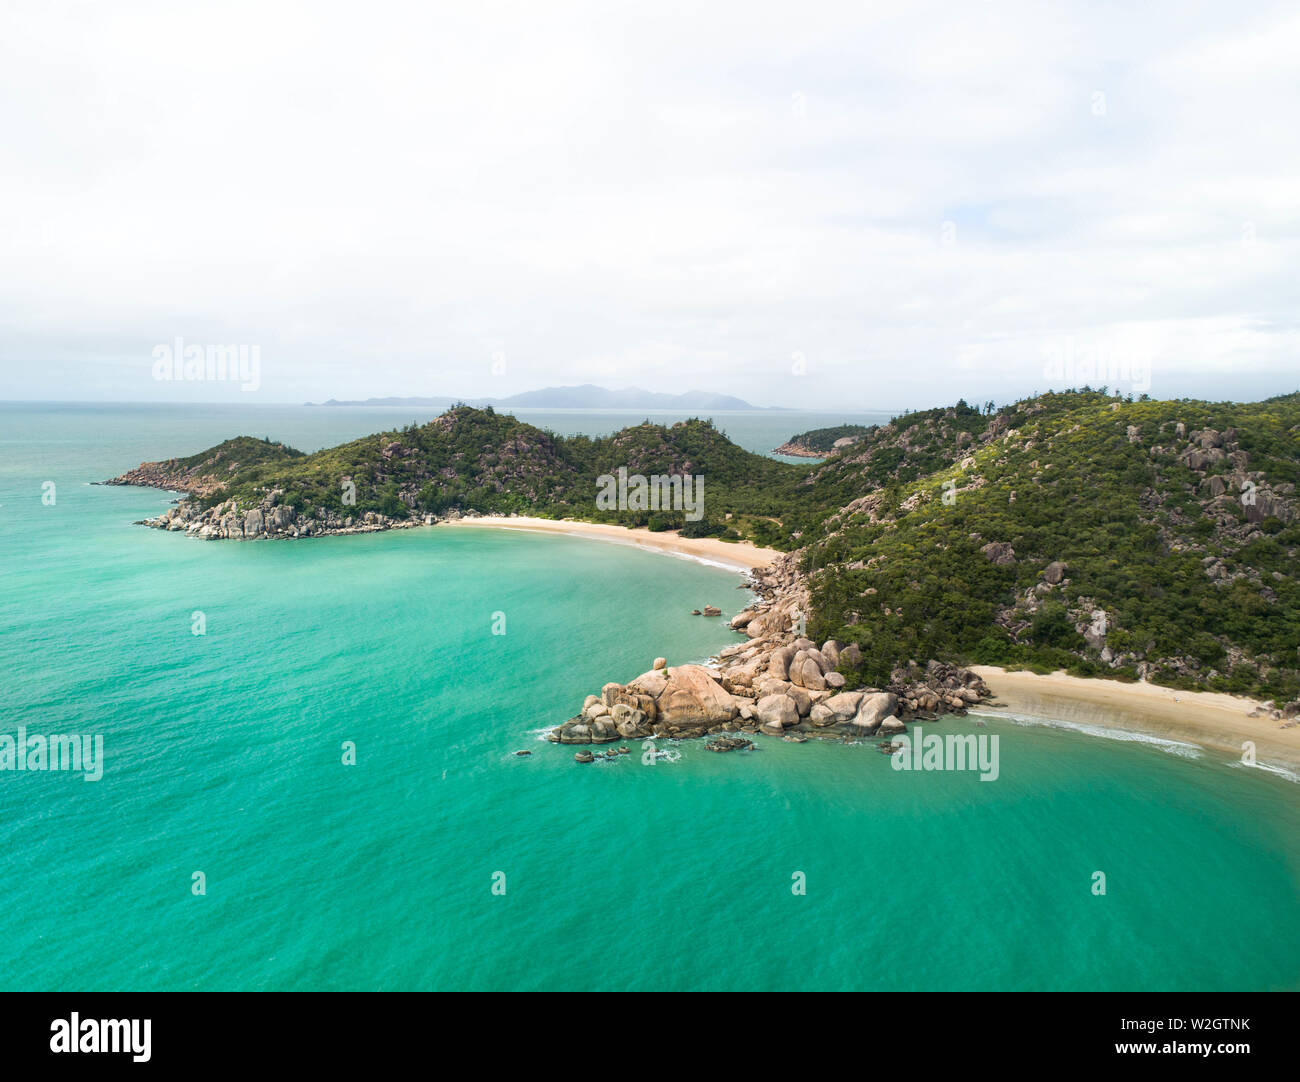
777	711
253	523
631	726
692	698
1054	572
843	707
999	553
873	710
652	682
812	675
778	666
890	725
575	733
795	675
1266	505
1202	459
802	700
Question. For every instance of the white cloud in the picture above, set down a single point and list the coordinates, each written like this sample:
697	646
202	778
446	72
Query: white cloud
384	197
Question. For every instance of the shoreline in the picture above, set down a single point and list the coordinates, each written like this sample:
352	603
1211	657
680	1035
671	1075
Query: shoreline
1210	719
738	555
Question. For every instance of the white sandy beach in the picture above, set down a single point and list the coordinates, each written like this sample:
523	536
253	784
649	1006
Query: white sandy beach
1209	719
741	555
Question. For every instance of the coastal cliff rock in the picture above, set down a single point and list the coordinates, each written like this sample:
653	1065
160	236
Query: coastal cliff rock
268	519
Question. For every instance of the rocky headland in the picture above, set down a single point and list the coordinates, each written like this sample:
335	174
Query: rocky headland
779	683
269	519
798	450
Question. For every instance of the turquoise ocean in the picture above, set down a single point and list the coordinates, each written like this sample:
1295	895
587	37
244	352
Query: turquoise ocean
223	755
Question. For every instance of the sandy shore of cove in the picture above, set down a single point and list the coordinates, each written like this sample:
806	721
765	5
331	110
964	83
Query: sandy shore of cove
1207	718
741	555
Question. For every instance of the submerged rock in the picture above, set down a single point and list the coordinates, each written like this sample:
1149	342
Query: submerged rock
729	743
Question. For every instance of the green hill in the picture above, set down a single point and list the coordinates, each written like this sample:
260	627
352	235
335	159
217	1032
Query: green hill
1172	525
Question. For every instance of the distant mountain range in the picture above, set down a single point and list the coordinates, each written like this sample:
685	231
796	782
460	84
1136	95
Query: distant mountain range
588	396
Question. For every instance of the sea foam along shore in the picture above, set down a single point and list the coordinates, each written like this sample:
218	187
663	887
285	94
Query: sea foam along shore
1212	720
740	555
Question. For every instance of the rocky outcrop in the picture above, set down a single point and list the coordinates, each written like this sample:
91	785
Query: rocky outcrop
999	553
776	713
270	519
778	683
873	709
693	698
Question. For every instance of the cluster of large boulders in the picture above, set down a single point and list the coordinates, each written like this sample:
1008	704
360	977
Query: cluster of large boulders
1227	482
270	518
779	683
686	700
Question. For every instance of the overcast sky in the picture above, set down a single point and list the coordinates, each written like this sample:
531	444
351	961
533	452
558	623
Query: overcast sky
805	204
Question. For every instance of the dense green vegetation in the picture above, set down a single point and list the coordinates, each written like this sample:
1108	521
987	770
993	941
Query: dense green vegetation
1163	579
242	453
929	537
491	463
821	441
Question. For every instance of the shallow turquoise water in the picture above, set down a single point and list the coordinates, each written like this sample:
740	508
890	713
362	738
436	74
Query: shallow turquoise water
223	755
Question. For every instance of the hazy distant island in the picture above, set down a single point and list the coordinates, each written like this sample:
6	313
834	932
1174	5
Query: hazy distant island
587	396
1137	540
